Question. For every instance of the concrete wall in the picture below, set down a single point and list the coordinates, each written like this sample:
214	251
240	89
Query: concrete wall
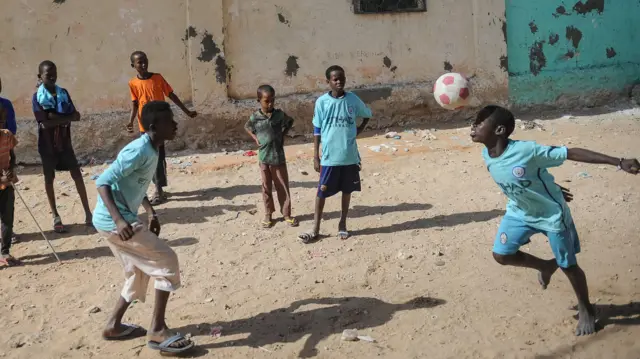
216	52
563	51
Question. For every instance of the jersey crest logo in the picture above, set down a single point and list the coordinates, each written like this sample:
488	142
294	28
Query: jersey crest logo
350	109
503	238
518	171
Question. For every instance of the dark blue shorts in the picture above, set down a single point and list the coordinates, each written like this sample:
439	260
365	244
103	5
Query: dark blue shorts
334	179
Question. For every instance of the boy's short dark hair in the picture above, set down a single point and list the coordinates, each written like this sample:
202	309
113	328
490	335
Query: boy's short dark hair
265	89
152	112
45	63
332	69
500	116
136	53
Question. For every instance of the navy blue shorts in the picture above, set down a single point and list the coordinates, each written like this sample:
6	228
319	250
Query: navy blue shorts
334	179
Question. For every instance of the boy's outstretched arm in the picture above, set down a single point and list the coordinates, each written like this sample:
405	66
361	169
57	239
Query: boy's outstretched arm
173	97
581	155
364	123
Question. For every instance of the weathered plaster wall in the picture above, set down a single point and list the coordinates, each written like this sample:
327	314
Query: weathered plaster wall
216	52
560	51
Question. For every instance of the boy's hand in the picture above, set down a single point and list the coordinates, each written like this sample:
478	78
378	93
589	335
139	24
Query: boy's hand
11	176
316	164
154	225
192	114
130	127
124	230
630	166
566	193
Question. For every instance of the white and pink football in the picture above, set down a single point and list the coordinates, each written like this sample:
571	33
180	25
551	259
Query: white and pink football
451	91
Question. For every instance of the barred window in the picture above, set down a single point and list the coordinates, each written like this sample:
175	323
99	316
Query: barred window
382	6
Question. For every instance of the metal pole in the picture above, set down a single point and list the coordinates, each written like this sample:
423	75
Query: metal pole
37	224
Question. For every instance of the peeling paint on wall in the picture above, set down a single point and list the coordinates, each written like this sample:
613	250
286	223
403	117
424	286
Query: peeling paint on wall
208	48
571	53
447	66
589	6
292	66
221	69
574	35
537	59
386	61
190	32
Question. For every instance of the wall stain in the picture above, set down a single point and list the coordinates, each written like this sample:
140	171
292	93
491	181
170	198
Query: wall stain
537	59
59	1
283	20
569	55
447	66
504	59
208	48
221	69
504	63
504	27
553	39
574	35
611	52
190	32
589	6
533	27
560	10
387	63
292	66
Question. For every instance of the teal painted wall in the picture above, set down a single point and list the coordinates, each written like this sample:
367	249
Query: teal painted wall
558	48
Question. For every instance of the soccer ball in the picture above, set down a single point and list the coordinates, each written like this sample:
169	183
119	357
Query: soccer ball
451	91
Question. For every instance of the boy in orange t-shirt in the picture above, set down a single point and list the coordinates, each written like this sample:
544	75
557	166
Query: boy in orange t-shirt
145	87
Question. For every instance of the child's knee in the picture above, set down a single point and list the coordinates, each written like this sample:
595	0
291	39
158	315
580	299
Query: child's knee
501	258
76	174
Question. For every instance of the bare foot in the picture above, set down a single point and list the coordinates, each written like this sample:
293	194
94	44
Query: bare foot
586	320
544	276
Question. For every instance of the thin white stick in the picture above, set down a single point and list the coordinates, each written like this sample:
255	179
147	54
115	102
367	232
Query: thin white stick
37	224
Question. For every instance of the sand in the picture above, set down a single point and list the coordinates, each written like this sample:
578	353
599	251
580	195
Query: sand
417	275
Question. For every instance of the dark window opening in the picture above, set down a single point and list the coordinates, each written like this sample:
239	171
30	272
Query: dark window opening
382	6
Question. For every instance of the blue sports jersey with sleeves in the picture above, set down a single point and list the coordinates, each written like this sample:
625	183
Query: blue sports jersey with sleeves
334	119
129	177
534	198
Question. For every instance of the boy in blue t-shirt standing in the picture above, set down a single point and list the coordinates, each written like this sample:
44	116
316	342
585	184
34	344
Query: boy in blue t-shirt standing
334	123
536	204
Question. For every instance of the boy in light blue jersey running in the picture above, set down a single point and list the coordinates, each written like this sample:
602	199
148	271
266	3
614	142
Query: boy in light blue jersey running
334	124
536	204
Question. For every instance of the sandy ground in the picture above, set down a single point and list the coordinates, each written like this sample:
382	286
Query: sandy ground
417	275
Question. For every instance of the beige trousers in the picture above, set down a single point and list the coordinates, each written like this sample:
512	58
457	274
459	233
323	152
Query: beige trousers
142	257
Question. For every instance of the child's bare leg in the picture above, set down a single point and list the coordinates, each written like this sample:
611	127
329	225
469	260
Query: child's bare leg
51	195
312	235
318	215
586	312
546	268
342	225
82	192
114	324
159	331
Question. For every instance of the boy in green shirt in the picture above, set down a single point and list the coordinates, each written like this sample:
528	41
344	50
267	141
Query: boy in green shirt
267	127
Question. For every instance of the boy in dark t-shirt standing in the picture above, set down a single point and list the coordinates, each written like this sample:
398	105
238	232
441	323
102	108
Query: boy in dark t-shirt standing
267	127
54	111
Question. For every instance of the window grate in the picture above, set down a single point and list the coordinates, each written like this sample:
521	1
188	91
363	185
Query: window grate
384	6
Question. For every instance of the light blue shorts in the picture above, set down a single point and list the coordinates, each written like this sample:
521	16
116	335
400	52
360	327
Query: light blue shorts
513	234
